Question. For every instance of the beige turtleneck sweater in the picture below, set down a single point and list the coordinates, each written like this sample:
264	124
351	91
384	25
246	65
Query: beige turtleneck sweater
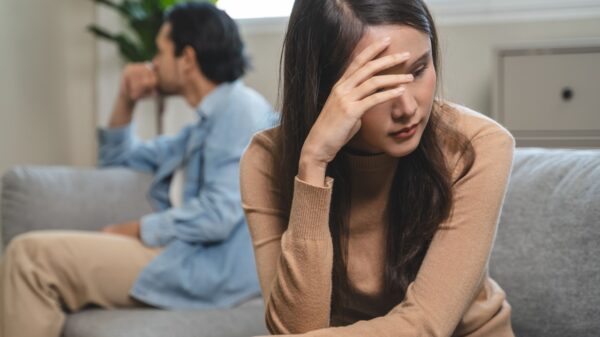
452	294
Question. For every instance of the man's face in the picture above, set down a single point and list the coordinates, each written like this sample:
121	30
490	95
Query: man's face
166	64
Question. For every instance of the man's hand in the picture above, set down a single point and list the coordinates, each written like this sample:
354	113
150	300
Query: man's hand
131	229
138	81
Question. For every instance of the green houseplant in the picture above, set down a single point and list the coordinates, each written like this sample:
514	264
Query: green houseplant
137	42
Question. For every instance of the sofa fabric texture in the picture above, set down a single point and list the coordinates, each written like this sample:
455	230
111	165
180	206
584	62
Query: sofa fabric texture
42	198
547	249
243	321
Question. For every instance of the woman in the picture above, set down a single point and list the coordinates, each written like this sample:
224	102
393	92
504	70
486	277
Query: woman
373	206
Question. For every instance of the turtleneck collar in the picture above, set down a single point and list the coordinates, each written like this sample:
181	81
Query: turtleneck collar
380	162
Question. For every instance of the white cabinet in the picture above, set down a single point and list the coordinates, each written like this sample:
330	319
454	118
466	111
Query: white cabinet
549	96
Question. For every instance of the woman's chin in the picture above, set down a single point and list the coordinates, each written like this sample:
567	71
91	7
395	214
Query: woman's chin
402	149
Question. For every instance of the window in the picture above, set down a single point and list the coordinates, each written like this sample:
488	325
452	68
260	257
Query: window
244	9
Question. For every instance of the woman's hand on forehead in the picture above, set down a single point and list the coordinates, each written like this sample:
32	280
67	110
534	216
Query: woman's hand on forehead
358	90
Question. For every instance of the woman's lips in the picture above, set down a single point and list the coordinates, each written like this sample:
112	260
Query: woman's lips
405	133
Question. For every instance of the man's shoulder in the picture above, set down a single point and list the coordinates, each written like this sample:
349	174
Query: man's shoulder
248	98
245	106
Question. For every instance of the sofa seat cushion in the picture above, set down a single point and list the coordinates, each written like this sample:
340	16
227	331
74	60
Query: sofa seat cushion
245	320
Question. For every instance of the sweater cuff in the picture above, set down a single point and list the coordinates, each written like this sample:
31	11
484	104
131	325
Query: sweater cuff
157	229
309	216
115	135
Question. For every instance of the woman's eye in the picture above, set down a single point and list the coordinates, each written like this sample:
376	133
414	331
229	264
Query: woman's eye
419	72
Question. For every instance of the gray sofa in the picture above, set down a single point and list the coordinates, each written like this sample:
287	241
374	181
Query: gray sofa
547	251
41	198
546	255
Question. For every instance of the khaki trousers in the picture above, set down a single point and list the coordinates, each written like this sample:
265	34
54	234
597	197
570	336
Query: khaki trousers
43	273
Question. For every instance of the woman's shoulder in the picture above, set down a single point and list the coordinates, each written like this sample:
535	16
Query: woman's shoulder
472	124
261	150
265	140
487	140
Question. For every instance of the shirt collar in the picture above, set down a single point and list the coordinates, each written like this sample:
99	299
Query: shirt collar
215	99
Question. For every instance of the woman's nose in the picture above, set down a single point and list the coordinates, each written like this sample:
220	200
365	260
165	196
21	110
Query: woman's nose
404	107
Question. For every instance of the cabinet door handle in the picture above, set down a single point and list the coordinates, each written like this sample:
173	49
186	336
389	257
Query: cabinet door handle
567	94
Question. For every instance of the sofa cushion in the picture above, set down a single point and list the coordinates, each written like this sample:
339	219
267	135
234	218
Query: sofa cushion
547	249
43	198
245	320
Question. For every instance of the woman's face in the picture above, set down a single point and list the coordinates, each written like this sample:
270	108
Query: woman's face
395	127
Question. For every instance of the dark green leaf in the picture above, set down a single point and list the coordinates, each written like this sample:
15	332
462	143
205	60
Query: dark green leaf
130	50
100	32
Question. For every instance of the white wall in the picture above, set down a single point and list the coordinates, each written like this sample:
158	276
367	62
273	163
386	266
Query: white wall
46	87
46	96
468	40
264	48
46	83
467	52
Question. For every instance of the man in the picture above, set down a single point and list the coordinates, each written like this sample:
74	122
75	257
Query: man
194	251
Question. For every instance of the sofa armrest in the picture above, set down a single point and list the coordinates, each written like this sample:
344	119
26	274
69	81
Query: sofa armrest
39	198
546	251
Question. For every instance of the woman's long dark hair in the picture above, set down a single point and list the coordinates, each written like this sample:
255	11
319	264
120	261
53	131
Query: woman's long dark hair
320	39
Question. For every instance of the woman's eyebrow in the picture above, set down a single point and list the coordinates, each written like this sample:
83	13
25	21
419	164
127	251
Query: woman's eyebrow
421	58
402	67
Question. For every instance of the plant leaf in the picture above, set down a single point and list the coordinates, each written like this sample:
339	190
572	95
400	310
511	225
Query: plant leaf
130	50
134	10
100	32
110	4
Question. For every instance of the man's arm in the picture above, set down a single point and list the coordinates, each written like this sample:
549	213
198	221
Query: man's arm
131	229
138	81
216	210
209	217
118	144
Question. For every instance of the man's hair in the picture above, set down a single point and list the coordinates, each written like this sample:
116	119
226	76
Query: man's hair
214	37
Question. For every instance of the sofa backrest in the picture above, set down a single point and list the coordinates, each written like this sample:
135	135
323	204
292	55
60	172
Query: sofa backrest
42	197
547	251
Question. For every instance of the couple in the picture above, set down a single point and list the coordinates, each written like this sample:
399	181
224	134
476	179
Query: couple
364	205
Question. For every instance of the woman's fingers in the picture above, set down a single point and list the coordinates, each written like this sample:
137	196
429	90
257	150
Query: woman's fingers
378	98
373	67
365	56
355	93
379	83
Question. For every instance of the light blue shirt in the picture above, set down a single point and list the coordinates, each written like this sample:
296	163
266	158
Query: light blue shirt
208	261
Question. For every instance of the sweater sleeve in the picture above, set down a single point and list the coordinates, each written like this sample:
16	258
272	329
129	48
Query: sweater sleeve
456	263
294	253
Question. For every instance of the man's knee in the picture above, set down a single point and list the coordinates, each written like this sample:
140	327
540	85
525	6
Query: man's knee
31	246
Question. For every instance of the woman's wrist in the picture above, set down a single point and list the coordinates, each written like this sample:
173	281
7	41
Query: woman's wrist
312	171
